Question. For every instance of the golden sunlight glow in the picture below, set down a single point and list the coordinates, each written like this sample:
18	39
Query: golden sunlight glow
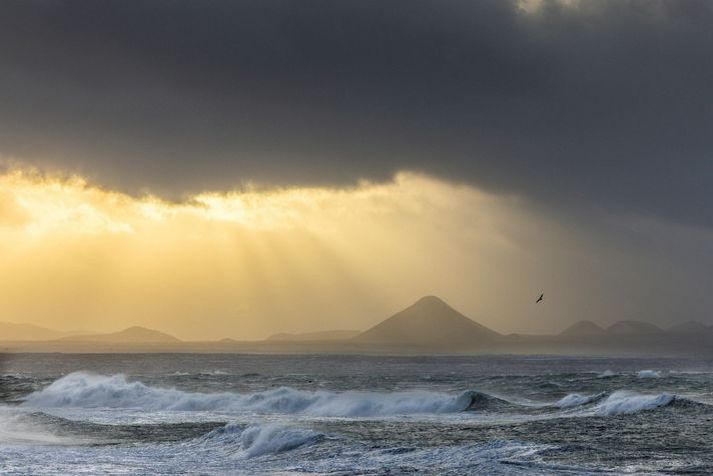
252	262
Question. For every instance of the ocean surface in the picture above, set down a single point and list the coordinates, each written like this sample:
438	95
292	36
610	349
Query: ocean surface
248	414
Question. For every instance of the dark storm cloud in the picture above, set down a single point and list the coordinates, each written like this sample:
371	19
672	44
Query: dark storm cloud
609	103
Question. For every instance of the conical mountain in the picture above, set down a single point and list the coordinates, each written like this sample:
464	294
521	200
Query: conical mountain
428	322
584	329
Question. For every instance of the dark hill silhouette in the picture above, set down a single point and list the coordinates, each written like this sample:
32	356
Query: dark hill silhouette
131	335
429	322
633	328
10	331
313	336
690	327
583	329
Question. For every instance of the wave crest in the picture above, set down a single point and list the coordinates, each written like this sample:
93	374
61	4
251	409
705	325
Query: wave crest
258	440
624	403
82	390
478	401
648	374
577	400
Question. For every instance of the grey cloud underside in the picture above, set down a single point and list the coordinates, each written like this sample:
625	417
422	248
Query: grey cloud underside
609	103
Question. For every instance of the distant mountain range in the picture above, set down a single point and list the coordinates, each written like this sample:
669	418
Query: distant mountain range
428	324
621	328
584	328
12	331
28	332
627	328
633	328
131	335
313	336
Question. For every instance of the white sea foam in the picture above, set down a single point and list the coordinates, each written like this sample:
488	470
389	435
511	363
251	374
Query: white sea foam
606	374
576	400
256	440
623	402
277	451
259	440
494	457
16	428
82	390
648	374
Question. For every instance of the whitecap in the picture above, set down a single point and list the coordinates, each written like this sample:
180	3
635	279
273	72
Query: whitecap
576	400
648	374
82	390
623	402
256	440
16	427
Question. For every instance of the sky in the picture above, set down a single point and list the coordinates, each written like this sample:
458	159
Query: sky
238	169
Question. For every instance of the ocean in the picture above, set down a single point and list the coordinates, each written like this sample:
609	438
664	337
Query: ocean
139	414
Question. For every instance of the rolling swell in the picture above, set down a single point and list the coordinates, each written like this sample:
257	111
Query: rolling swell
14	387
19	425
256	440
478	401
82	390
577	400
624	402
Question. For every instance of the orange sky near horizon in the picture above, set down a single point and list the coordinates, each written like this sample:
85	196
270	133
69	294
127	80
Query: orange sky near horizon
252	262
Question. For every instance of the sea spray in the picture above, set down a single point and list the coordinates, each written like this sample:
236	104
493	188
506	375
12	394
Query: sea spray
256	440
82	390
648	374
623	402
576	400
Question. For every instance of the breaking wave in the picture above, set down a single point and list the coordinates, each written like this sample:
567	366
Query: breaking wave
648	374
254	441
624	403
478	401
576	400
17	427
257	440
82	390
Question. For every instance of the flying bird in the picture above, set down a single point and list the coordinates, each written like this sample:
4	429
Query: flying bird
542	296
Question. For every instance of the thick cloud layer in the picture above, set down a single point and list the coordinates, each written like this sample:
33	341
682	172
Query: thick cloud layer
605	103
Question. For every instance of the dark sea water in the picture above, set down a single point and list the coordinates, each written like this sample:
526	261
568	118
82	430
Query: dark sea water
248	414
